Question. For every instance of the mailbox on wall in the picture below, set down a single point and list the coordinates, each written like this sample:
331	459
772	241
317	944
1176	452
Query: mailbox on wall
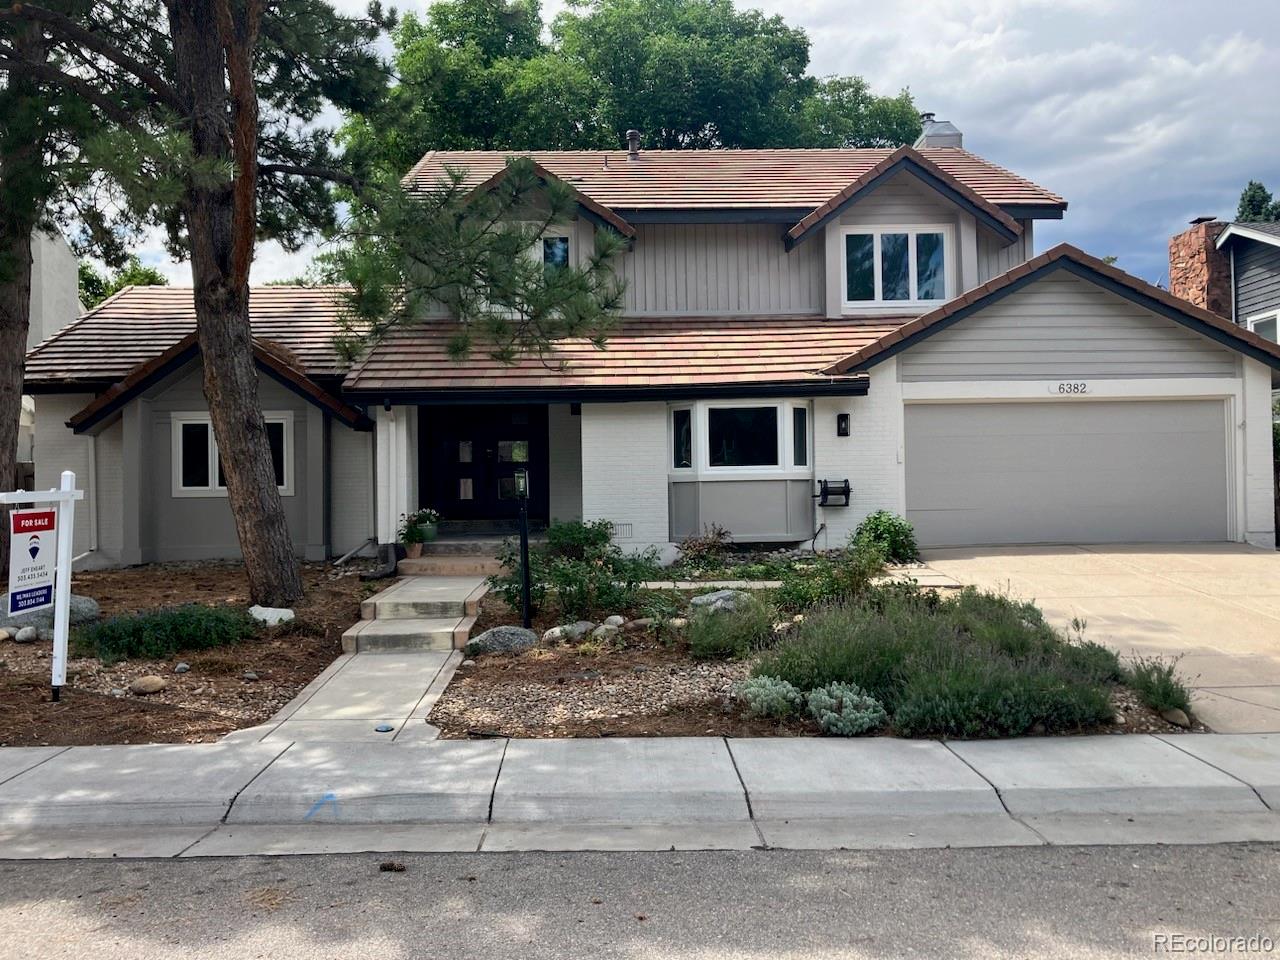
833	493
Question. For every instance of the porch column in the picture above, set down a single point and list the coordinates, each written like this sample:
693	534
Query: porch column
394	470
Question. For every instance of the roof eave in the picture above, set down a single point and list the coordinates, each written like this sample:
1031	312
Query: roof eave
1238	230
854	385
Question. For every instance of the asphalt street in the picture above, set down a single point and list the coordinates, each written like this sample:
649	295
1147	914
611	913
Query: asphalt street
984	903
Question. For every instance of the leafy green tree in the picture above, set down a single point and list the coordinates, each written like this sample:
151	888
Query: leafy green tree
1256	205
96	287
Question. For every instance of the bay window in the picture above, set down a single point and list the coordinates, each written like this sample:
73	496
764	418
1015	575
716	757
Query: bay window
896	266
736	438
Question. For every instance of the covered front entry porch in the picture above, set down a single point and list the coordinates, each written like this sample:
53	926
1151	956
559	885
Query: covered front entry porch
462	460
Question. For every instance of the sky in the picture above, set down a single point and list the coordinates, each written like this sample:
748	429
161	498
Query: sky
1142	113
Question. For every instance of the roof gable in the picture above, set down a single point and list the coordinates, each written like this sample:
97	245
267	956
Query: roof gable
594	211
1268	233
910	161
1076	261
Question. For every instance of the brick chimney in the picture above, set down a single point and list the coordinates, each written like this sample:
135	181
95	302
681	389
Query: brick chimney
1198	270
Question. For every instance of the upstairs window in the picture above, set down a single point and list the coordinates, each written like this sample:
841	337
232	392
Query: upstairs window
896	265
555	252
1265	325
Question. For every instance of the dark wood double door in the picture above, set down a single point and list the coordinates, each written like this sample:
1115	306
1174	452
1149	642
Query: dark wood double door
468	459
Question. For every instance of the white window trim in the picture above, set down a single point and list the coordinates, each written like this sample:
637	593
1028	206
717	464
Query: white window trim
702	469
911	229
1252	321
176	421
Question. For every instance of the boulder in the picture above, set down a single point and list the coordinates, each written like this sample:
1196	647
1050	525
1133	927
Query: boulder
719	601
634	626
605	631
1177	717
568	632
677	623
27	635
5	635
271	615
82	610
145	686
182	668
614	621
501	640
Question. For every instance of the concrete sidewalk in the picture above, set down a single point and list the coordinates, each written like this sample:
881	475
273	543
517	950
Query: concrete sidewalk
635	794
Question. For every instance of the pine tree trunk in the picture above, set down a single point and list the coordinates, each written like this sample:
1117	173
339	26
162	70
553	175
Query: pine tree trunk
21	157
215	221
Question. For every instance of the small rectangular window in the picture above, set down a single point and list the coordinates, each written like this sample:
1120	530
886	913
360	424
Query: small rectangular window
555	252
1265	327
682	438
275	438
466	489
800	436
895	269
743	436
513	451
931	277
194	455
860	267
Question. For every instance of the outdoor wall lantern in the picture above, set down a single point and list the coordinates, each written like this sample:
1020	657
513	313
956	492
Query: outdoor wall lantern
842	424
522	497
833	493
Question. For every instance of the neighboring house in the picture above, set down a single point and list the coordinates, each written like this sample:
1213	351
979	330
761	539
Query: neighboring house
792	317
1232	269
54	303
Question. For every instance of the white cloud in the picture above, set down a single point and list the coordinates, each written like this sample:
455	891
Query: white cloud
1141	113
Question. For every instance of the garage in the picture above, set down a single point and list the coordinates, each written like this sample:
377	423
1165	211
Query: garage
1068	472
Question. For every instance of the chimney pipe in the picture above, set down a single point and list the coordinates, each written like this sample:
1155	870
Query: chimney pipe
633	144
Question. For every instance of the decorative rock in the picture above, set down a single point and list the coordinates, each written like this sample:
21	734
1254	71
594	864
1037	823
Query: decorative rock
677	623
145	686
605	631
614	621
567	632
271	615
249	675
27	635
467	663
182	668
501	640
632	626
719	601
117	692
81	610
1177	717
4	635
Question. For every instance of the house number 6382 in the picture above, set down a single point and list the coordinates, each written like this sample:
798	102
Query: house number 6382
1075	386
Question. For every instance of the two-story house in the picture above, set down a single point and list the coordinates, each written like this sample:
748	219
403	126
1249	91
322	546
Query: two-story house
795	320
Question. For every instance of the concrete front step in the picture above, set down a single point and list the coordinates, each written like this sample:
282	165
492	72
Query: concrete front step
464	547
449	565
426	598
404	636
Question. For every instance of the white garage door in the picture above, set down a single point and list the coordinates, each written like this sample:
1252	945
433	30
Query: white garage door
1078	472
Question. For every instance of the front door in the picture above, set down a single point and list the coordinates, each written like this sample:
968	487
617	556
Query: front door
469	457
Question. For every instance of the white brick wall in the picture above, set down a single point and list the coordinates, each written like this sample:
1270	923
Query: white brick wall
1259	478
351	520
870	457
624	470
565	467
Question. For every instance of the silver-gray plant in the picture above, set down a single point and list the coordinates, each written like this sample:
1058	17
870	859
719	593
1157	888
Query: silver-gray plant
770	697
846	710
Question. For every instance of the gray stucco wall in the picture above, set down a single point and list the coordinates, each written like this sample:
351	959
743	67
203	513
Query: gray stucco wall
197	527
1257	269
1061	326
751	510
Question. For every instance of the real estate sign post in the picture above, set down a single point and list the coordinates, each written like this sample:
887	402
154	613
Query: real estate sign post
40	561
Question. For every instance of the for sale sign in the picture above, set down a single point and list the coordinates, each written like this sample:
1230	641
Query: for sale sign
33	550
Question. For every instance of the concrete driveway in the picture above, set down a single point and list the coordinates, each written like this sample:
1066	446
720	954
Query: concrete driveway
1216	605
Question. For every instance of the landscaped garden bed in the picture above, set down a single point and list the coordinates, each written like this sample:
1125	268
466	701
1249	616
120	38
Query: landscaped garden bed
835	649
225	686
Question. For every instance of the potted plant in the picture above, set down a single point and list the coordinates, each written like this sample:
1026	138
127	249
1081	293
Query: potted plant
411	535
428	521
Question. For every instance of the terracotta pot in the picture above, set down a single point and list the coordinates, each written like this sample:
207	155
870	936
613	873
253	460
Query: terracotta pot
413	550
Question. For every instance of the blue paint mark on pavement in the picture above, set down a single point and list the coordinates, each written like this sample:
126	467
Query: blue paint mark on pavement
327	799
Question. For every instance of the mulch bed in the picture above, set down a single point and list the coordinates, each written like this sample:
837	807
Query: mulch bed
213	697
640	685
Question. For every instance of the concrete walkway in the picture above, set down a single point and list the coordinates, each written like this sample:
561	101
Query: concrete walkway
1216	605
635	794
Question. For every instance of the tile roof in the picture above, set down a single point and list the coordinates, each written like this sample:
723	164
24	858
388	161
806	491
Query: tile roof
140	323
914	330
717	179
668	352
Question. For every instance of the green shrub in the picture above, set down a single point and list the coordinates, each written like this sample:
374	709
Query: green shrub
708	547
156	634
578	569
827	580
769	697
976	665
1157	684
723	634
893	534
845	710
